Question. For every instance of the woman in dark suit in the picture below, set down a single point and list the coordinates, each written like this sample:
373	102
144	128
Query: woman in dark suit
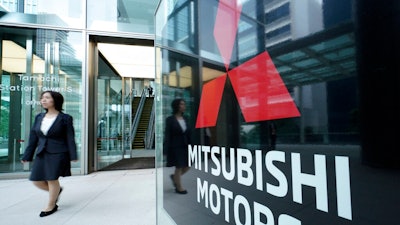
177	138
52	142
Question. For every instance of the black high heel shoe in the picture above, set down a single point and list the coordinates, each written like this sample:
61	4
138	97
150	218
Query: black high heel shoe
43	213
181	192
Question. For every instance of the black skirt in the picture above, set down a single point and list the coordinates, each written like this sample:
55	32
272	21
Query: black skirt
50	166
178	157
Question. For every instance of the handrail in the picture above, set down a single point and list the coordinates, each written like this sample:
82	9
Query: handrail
150	129
125	137
138	114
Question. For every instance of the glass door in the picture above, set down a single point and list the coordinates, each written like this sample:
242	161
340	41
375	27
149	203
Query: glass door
119	71
109	120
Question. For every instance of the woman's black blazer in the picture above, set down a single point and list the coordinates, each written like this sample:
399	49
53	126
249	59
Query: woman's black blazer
60	137
175	137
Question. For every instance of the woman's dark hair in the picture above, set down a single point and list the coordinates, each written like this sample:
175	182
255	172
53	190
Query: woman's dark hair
58	99
175	105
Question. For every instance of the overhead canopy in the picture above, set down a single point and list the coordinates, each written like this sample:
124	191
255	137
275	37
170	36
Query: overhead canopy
324	56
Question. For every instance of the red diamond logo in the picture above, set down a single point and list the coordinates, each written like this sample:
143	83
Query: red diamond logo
260	90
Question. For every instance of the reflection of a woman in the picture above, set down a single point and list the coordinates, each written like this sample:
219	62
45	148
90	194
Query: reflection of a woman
177	138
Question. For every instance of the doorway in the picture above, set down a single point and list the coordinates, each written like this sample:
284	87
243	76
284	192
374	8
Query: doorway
116	78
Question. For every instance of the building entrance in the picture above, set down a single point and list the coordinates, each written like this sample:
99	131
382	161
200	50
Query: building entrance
109	119
119	80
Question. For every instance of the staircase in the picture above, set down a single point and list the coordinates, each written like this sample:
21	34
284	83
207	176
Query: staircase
138	142
134	106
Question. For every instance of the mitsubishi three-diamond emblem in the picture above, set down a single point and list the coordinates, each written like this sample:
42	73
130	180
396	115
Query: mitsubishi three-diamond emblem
259	89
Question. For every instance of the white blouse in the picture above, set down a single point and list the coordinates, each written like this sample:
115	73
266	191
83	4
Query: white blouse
183	124
46	124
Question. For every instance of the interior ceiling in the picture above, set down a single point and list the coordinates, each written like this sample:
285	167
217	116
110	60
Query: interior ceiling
130	60
14	59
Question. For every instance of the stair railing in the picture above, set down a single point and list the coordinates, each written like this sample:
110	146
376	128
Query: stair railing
125	137
149	138
138	114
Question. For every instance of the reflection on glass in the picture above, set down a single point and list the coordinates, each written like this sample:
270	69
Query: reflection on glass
61	13
298	98
209	46
177	76
209	135
135	16
250	40
32	64
109	124
179	30
178	79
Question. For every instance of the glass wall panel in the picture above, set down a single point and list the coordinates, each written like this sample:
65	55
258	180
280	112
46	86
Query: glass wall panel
60	13
221	133
109	125
134	16
177	79
252	8
33	61
127	112
277	112
217	36
250	39
208	42
178	28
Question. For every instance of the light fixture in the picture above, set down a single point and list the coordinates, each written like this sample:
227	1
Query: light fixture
14	60
130	60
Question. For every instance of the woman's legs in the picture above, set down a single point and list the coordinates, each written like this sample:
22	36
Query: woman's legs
41	185
177	177
54	191
53	187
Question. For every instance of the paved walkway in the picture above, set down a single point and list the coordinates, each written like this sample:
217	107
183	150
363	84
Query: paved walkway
123	197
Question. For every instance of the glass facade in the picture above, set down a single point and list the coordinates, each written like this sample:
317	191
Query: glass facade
53	45
33	61
63	13
282	100
278	13
132	16
289	68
